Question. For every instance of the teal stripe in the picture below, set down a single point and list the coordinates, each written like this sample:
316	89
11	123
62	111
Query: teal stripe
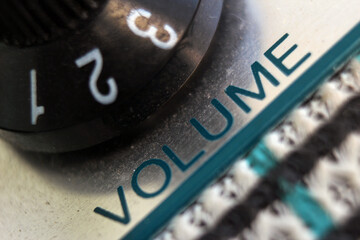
358	57
297	197
261	159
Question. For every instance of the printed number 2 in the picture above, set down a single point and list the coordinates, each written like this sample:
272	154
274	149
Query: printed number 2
95	56
151	32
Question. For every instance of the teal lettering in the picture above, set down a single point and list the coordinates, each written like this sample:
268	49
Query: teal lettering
233	91
112	216
205	133
178	162
163	165
278	62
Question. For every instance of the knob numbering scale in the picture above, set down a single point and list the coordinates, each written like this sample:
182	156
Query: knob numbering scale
76	73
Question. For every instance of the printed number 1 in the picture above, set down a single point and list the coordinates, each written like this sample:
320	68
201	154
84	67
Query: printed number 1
95	56
36	110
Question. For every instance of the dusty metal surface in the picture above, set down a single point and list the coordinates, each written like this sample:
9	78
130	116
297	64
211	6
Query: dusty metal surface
54	196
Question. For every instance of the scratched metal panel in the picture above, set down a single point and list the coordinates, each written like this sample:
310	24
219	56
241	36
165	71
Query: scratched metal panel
54	196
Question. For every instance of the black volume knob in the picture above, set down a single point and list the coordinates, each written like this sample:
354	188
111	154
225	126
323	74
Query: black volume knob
87	70
31	22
